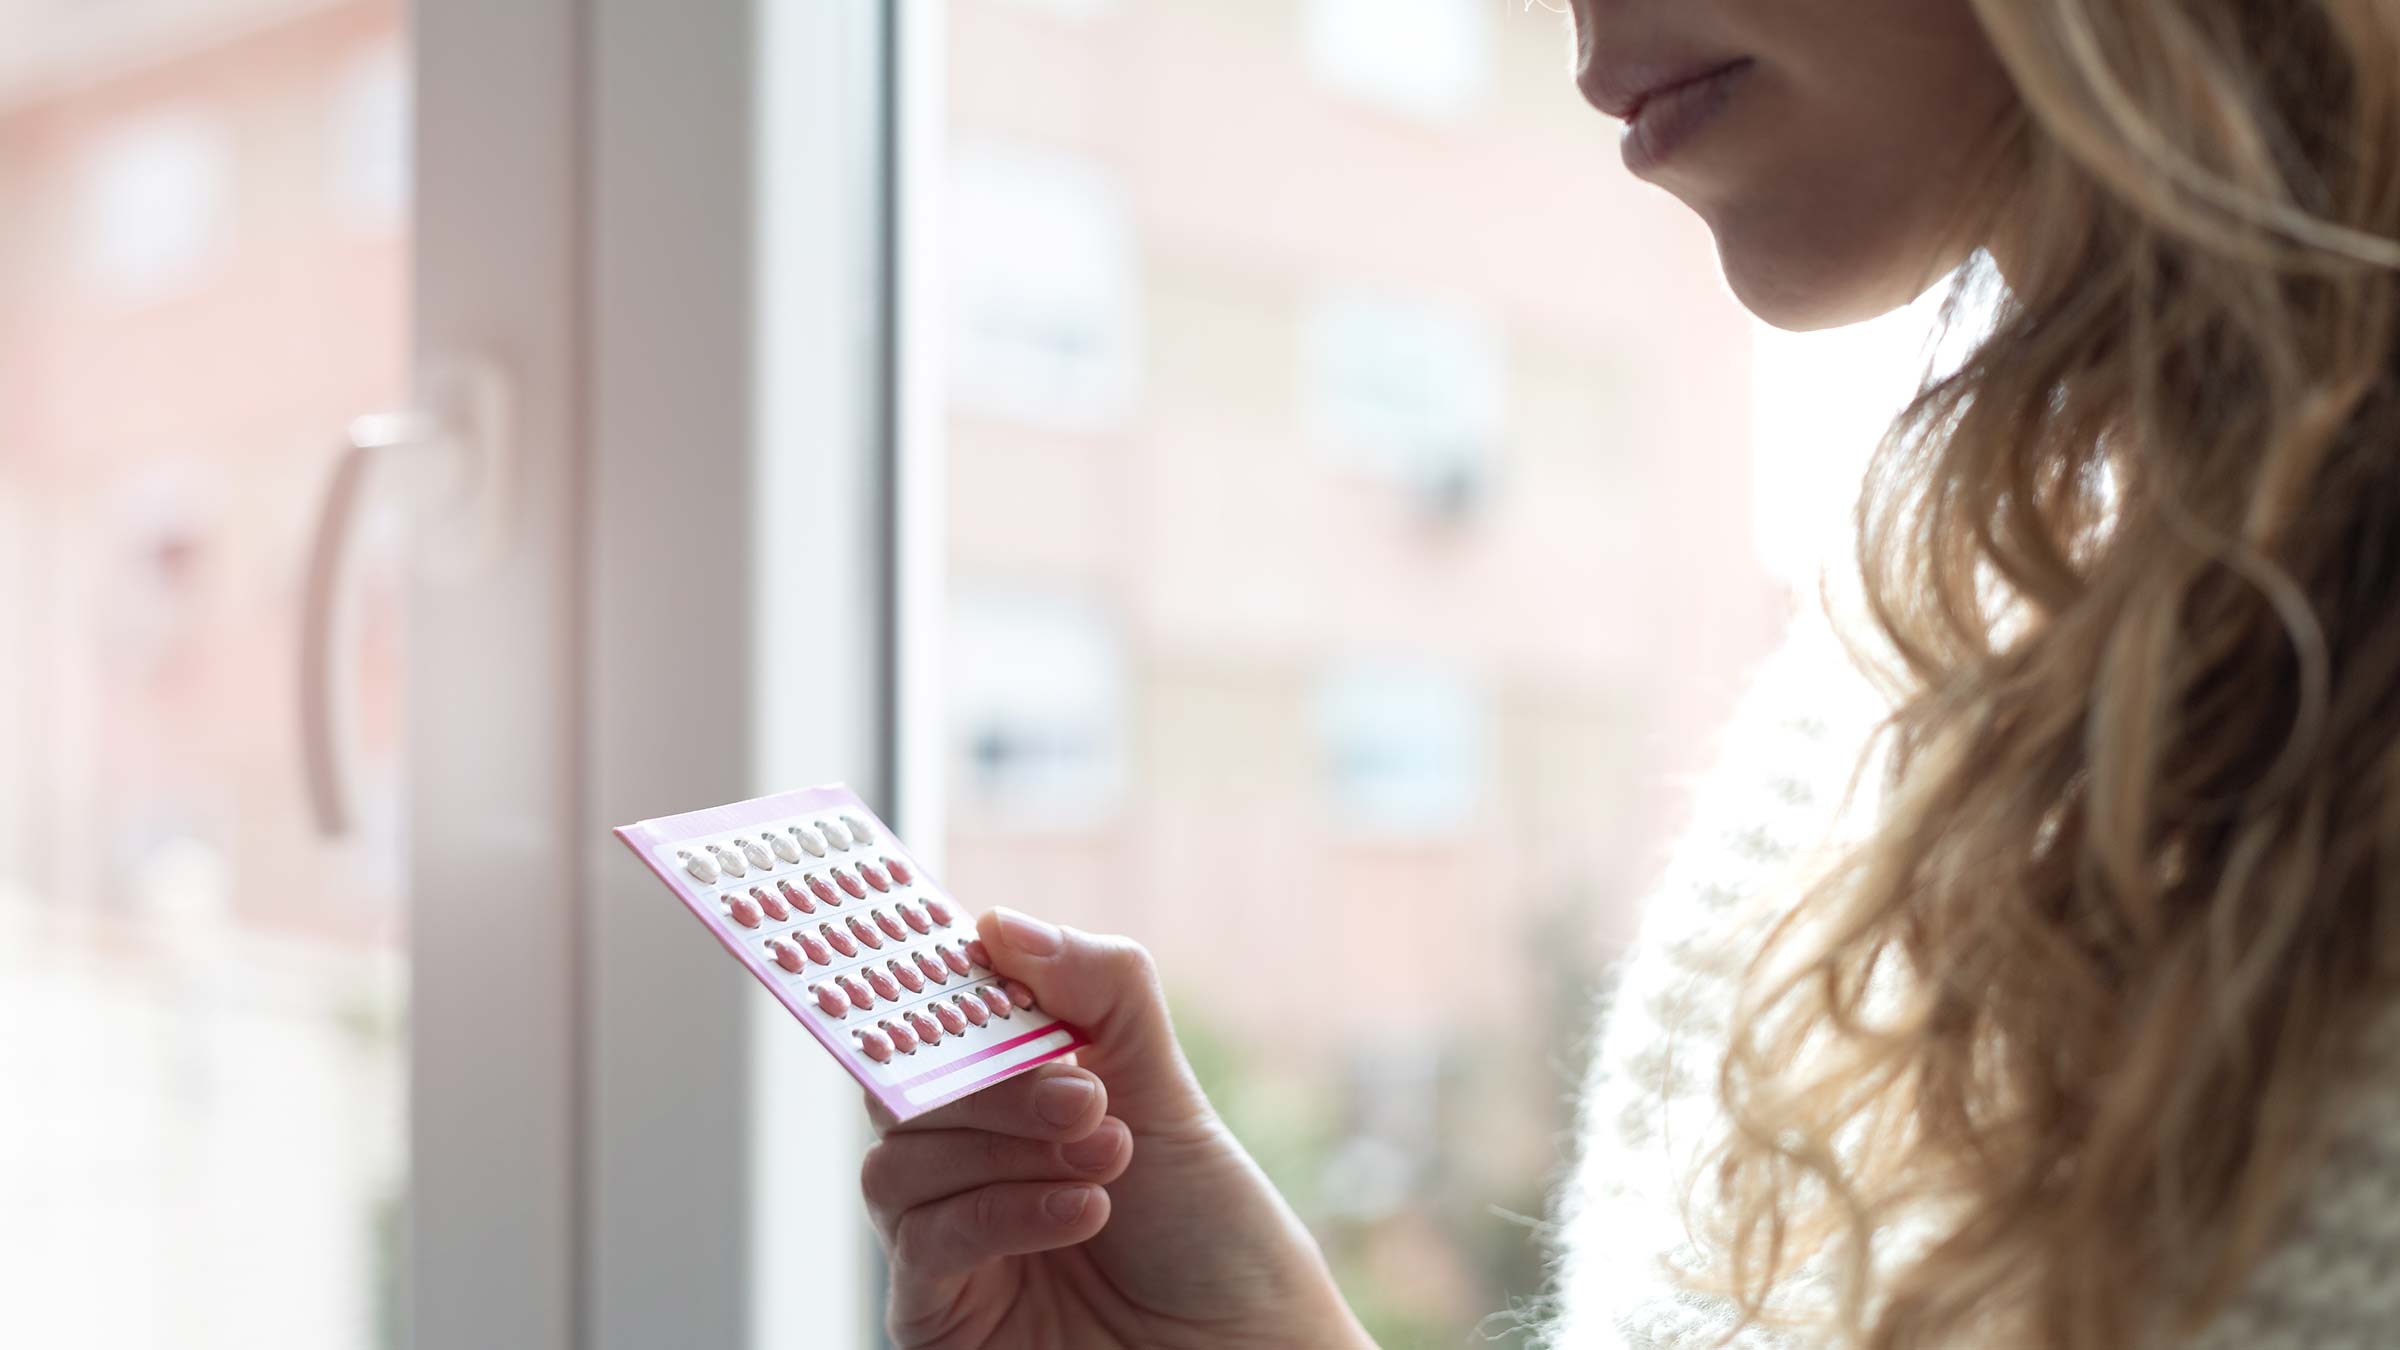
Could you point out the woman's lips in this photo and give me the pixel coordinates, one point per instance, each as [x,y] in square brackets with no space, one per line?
[1662,119]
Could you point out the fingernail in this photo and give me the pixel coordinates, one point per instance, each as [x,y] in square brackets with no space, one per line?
[1027,933]
[1092,1152]
[1066,1203]
[1063,1100]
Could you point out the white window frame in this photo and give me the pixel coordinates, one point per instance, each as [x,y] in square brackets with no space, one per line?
[666,223]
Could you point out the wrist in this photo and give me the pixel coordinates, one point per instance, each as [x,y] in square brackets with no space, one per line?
[1342,1330]
[1301,1308]
[1326,1321]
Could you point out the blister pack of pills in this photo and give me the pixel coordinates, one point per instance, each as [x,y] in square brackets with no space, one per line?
[818,899]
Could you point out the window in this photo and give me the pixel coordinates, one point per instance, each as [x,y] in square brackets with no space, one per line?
[156,200]
[1426,57]
[370,135]
[1045,311]
[1216,350]
[1037,709]
[1073,9]
[1408,390]
[1404,748]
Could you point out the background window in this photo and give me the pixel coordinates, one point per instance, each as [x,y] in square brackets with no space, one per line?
[1409,390]
[1427,57]
[156,199]
[1404,748]
[370,136]
[1037,708]
[1043,282]
[1074,9]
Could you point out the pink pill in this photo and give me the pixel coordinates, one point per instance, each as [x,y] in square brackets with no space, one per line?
[956,957]
[908,977]
[798,901]
[932,968]
[928,1030]
[830,999]
[949,1018]
[786,955]
[843,879]
[745,911]
[771,905]
[977,953]
[881,983]
[861,997]
[902,1040]
[874,1045]
[818,888]
[940,911]
[972,1007]
[840,940]
[815,948]
[1020,995]
[899,871]
[865,934]
[874,876]
[915,917]
[891,926]
[996,1001]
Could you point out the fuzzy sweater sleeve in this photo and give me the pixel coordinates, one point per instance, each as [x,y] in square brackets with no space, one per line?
[1772,807]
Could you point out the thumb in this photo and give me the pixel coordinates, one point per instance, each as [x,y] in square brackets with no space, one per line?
[1109,987]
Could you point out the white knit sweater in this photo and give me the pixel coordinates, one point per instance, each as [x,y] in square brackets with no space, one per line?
[1765,815]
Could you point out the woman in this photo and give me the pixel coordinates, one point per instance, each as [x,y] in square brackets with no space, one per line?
[2086,1041]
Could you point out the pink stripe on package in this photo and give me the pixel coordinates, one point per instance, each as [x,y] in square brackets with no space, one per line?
[909,1007]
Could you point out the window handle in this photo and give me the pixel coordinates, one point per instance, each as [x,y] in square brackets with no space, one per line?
[443,464]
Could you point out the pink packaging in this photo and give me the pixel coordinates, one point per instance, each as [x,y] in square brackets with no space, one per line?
[819,900]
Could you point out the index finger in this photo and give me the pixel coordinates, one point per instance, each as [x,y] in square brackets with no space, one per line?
[1056,1101]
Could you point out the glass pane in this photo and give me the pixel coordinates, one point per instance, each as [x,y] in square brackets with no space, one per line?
[204,267]
[1363,508]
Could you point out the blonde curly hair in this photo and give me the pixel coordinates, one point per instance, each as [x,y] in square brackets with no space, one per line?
[2075,1017]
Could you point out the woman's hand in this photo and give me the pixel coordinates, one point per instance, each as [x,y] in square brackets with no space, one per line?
[1094,1206]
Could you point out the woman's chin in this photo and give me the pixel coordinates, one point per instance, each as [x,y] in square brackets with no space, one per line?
[1806,290]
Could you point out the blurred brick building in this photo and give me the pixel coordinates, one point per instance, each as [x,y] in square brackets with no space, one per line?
[1350,550]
